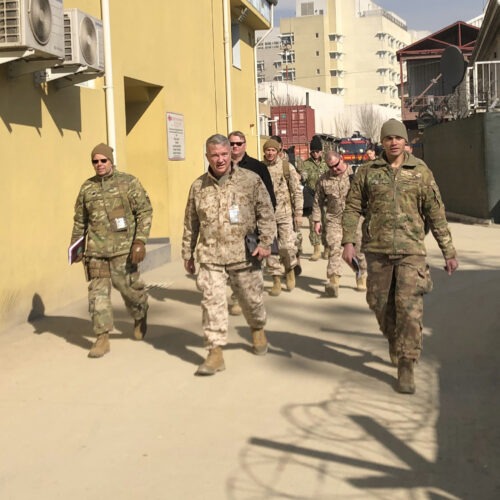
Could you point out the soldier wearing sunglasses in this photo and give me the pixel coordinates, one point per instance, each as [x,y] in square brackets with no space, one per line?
[113,215]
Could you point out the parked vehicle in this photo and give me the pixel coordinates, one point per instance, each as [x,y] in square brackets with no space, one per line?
[353,149]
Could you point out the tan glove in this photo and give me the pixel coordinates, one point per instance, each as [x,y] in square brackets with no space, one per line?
[138,252]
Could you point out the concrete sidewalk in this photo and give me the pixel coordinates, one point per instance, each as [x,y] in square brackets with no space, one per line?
[317,418]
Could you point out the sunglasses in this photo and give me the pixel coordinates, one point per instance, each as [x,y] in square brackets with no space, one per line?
[236,143]
[336,164]
[100,160]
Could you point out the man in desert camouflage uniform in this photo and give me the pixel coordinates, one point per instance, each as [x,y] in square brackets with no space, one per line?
[289,203]
[224,205]
[397,192]
[331,191]
[113,211]
[310,171]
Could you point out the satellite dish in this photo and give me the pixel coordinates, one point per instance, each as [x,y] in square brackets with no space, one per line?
[88,41]
[40,18]
[452,66]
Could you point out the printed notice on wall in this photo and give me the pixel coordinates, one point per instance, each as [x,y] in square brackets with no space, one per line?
[175,136]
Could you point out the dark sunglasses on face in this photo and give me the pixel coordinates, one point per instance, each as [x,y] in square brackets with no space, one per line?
[100,160]
[334,166]
[236,143]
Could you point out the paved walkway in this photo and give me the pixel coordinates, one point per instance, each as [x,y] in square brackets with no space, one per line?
[317,418]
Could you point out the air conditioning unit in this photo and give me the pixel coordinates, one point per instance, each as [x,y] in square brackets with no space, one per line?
[83,40]
[32,24]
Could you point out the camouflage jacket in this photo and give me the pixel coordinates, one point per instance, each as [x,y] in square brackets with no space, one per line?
[103,200]
[311,171]
[219,215]
[289,197]
[331,193]
[395,203]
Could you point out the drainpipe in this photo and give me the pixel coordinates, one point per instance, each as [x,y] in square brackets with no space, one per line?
[108,78]
[268,32]
[227,57]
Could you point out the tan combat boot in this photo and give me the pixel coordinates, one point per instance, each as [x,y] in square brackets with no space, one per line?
[332,287]
[316,253]
[326,253]
[235,309]
[276,289]
[140,327]
[213,364]
[100,346]
[406,382]
[259,342]
[290,280]
[361,283]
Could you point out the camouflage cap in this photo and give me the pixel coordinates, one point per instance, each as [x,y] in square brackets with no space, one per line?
[393,127]
[103,149]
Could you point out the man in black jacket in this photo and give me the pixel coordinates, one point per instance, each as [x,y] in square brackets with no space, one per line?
[240,157]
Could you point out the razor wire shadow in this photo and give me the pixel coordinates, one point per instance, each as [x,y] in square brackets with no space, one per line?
[441,443]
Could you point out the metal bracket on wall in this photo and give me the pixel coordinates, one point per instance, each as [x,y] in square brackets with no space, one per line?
[66,75]
[12,55]
[25,66]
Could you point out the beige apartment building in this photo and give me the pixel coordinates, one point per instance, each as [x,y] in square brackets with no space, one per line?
[343,47]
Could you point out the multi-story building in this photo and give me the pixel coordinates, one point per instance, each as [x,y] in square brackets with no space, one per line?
[344,47]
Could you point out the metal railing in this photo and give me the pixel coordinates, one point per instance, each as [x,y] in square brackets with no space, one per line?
[483,86]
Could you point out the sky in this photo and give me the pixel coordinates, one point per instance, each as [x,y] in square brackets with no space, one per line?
[428,15]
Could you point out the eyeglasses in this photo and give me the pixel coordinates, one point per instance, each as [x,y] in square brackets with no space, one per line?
[336,164]
[237,143]
[100,160]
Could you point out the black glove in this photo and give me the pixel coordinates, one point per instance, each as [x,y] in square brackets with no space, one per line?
[138,252]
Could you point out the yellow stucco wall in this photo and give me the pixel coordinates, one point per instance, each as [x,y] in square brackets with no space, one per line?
[47,135]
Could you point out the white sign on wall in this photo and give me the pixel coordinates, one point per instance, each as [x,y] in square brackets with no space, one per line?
[175,136]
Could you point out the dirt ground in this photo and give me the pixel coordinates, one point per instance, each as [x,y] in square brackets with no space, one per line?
[316,418]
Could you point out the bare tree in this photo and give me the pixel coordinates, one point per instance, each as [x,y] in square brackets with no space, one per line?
[343,125]
[370,121]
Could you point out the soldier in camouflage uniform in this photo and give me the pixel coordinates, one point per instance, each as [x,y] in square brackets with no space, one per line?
[331,191]
[397,193]
[113,211]
[225,205]
[310,171]
[289,203]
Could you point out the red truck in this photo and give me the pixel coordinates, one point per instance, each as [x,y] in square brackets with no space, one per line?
[353,149]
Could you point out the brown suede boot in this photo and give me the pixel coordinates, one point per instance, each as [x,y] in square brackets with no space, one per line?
[316,253]
[140,327]
[332,288]
[406,382]
[235,309]
[276,289]
[213,364]
[290,280]
[100,346]
[361,283]
[259,341]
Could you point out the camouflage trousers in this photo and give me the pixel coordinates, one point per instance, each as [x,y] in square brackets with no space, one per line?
[333,232]
[124,277]
[287,243]
[248,286]
[395,288]
[317,239]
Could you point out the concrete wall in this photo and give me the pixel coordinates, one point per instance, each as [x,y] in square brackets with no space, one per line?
[464,156]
